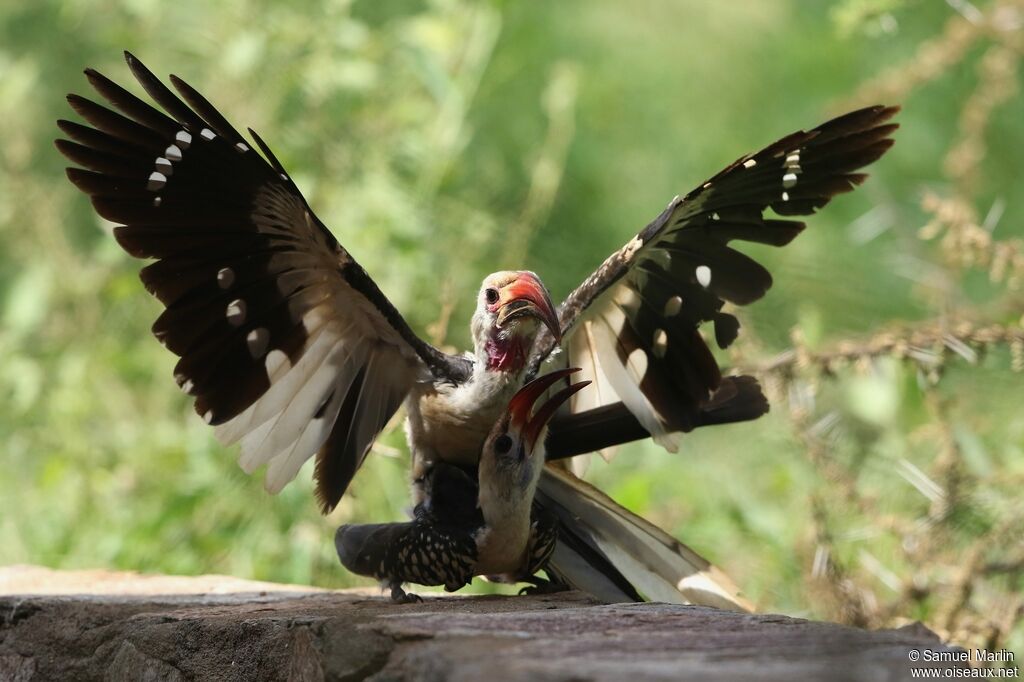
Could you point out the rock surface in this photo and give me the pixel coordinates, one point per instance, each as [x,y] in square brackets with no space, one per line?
[58,625]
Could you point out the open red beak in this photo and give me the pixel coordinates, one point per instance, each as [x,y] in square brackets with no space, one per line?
[526,296]
[522,404]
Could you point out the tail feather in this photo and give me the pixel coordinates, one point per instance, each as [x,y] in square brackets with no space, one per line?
[575,566]
[608,551]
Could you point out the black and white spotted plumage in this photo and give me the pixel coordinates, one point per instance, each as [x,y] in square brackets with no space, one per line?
[577,535]
[424,551]
[439,546]
[633,325]
[480,521]
[286,344]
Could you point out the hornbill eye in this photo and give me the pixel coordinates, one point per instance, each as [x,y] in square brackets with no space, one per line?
[491,295]
[502,444]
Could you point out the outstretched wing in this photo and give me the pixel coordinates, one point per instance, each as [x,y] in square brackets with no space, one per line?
[633,324]
[286,344]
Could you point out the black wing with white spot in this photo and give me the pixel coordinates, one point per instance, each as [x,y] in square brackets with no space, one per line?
[285,342]
[633,324]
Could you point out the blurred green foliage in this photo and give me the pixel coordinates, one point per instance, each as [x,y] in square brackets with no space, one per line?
[443,139]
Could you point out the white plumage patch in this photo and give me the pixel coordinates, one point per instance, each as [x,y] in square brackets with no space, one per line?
[625,379]
[236,312]
[285,465]
[156,181]
[257,341]
[637,362]
[703,274]
[583,354]
[276,362]
[293,410]
[660,346]
[285,382]
[225,278]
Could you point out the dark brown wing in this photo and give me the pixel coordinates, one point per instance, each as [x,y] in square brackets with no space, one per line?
[737,399]
[633,324]
[285,342]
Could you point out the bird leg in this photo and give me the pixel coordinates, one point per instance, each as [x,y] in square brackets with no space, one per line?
[400,596]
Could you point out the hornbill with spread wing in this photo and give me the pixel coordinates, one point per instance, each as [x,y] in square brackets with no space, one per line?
[290,349]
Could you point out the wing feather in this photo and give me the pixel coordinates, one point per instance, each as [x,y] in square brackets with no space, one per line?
[625,378]
[335,375]
[285,381]
[681,269]
[284,466]
[274,322]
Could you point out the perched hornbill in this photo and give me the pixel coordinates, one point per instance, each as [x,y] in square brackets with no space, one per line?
[471,525]
[290,348]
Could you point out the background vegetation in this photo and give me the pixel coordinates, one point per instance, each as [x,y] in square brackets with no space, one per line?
[442,139]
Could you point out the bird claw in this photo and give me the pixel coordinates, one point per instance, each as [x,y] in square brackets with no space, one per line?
[541,586]
[400,596]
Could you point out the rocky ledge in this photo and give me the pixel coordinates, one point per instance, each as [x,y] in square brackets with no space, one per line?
[57,625]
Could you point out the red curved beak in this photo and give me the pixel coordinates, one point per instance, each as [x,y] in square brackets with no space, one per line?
[522,402]
[526,296]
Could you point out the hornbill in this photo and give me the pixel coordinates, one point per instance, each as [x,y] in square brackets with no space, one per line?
[486,523]
[289,348]
[468,526]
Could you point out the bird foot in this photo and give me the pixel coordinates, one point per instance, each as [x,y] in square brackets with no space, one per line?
[541,586]
[400,596]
